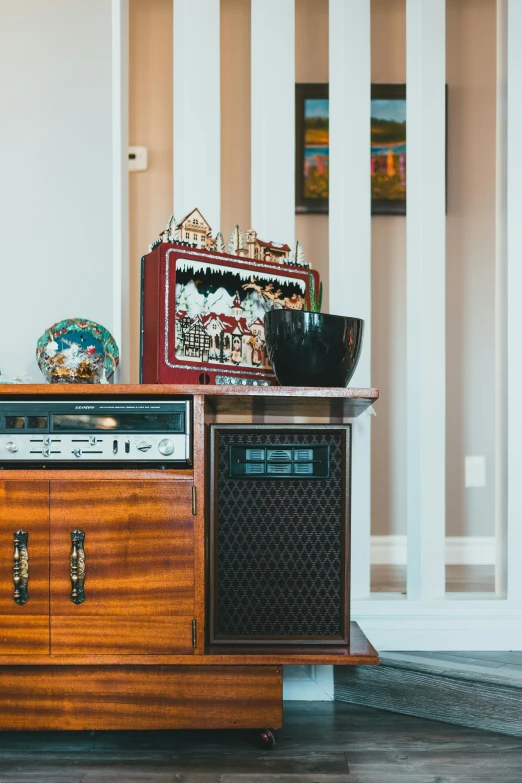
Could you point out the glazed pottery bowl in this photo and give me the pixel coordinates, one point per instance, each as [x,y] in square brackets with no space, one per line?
[313,349]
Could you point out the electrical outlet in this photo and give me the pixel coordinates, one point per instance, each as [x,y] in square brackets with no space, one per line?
[475,472]
[138,158]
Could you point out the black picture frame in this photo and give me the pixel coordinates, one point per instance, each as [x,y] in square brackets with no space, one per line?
[302,203]
[320,205]
[388,92]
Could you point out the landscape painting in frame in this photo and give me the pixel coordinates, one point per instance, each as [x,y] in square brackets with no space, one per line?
[388,148]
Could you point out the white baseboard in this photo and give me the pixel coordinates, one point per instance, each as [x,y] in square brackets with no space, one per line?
[308,683]
[460,550]
[470,621]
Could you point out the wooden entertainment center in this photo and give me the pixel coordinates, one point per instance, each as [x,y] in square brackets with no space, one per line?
[135,655]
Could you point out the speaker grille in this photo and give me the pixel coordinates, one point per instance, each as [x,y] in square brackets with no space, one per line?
[279,557]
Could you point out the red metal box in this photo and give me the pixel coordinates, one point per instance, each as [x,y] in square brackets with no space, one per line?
[202,314]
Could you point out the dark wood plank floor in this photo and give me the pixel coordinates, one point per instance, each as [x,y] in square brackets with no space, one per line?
[322,742]
[459,579]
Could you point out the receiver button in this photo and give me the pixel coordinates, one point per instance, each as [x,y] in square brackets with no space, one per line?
[11,446]
[166,447]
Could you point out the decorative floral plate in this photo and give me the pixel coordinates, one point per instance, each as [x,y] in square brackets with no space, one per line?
[77,351]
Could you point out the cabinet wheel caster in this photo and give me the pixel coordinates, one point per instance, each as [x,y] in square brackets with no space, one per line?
[267,739]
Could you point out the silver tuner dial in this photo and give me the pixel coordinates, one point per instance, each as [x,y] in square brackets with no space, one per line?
[144,446]
[166,447]
[77,452]
[11,446]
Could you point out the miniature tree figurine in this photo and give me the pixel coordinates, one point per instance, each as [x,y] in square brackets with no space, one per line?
[165,236]
[298,256]
[219,243]
[236,243]
[173,229]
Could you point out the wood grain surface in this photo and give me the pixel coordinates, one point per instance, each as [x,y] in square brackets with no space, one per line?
[162,697]
[360,653]
[288,401]
[24,628]
[198,418]
[23,390]
[139,556]
[87,474]
[28,633]
[116,635]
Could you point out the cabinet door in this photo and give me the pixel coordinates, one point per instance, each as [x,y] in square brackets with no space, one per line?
[138,560]
[24,612]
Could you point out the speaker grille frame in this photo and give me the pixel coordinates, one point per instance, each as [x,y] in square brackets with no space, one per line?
[216,635]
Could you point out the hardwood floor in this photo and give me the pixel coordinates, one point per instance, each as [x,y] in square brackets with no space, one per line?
[322,742]
[459,579]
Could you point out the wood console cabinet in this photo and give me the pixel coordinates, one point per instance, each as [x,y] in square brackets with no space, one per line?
[134,654]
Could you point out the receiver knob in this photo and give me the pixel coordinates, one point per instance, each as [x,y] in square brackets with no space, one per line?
[77,452]
[166,447]
[11,446]
[144,446]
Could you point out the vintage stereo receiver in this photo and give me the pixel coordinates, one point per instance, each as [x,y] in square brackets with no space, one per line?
[103,432]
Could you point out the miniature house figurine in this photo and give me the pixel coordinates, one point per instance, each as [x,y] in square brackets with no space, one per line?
[195,229]
[227,339]
[266,251]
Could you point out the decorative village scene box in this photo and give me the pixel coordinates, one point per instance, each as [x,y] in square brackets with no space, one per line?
[203,304]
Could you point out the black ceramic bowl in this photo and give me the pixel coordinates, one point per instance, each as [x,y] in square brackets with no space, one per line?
[313,349]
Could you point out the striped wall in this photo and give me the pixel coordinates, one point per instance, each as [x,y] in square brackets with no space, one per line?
[272,59]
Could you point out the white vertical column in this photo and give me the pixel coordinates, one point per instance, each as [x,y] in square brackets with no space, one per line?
[197,110]
[513,540]
[350,234]
[501,435]
[120,182]
[426,322]
[273,119]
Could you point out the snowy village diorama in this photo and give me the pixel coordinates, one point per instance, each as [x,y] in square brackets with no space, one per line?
[204,303]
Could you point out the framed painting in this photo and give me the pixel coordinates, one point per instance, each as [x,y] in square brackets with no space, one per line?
[388,148]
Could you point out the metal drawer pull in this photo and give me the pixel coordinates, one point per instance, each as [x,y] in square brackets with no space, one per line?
[77,567]
[20,567]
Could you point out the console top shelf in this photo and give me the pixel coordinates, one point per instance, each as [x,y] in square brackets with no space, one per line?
[342,403]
